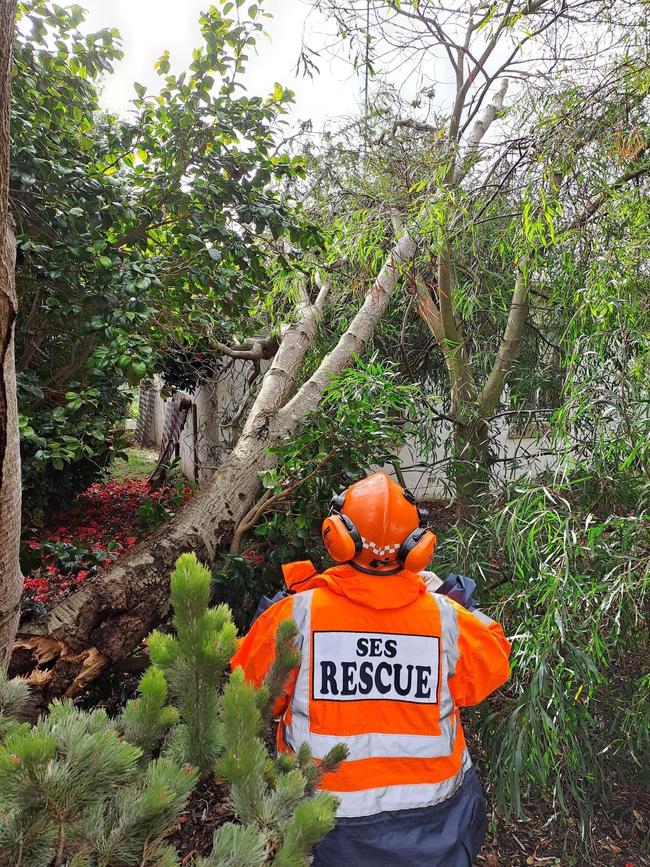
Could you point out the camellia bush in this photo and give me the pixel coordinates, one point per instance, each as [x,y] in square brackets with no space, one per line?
[79,788]
[128,230]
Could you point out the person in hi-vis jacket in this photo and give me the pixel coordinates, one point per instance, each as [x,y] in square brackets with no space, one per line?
[386,664]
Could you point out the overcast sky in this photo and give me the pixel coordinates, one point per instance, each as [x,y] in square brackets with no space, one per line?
[149,27]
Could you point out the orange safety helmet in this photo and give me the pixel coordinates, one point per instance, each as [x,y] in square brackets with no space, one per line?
[376,526]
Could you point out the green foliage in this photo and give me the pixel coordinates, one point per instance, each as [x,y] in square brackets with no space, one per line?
[245,762]
[146,719]
[269,795]
[129,230]
[236,846]
[78,316]
[153,511]
[13,697]
[309,824]
[572,212]
[78,788]
[139,819]
[71,788]
[193,662]
[571,587]
[365,415]
[286,659]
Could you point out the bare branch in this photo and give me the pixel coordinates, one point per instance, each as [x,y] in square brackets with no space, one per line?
[324,288]
[360,329]
[253,350]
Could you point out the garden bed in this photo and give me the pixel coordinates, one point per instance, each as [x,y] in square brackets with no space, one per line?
[94,530]
[531,841]
[109,519]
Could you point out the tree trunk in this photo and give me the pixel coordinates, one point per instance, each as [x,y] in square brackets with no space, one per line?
[470,407]
[472,465]
[107,618]
[11,581]
[144,434]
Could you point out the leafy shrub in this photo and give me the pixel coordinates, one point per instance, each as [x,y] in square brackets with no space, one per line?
[161,503]
[78,788]
[572,589]
[67,443]
[106,283]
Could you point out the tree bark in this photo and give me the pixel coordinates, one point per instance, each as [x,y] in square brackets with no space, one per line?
[509,346]
[473,459]
[10,489]
[110,615]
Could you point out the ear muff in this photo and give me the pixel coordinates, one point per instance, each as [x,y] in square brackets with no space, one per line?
[417,549]
[341,538]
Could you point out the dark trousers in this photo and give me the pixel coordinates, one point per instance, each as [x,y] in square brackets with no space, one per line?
[447,835]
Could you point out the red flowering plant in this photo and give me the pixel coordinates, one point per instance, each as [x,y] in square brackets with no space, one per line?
[253,557]
[101,524]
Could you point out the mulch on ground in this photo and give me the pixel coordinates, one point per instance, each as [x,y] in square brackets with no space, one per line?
[531,841]
[207,810]
[619,838]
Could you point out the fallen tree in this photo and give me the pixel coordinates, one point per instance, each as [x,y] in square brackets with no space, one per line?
[102,622]
[109,616]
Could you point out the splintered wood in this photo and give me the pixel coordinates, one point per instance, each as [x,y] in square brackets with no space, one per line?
[45,651]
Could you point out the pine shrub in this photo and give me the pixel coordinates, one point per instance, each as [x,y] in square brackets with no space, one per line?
[147,719]
[193,662]
[78,789]
[72,792]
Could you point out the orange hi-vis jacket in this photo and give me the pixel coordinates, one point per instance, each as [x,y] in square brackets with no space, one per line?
[385,667]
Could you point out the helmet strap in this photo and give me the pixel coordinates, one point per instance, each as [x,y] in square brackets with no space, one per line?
[377,573]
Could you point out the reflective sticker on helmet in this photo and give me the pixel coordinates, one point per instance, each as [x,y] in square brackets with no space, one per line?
[359,666]
[369,545]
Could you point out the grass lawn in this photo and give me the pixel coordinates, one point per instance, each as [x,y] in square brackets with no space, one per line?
[139,465]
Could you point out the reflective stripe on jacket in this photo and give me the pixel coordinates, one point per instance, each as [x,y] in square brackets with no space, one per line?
[385,667]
